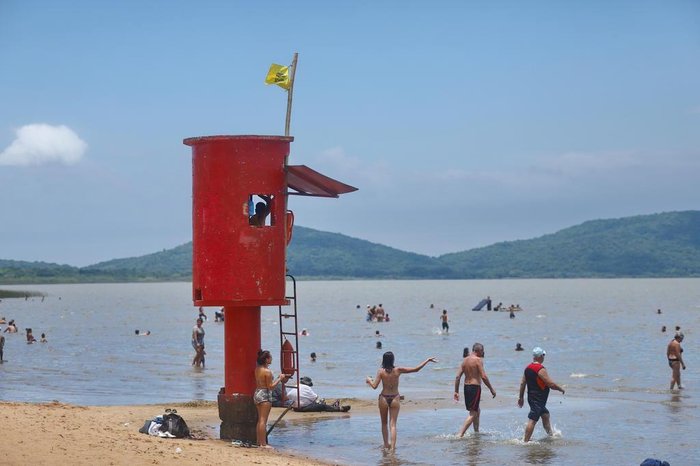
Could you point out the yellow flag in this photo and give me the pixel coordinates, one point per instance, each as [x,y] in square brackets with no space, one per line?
[279,75]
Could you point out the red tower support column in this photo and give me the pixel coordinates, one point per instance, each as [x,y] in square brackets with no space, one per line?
[241,345]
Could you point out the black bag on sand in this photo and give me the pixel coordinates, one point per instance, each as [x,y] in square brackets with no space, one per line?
[175,425]
[146,425]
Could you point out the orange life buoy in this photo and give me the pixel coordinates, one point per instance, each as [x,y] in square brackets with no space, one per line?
[288,359]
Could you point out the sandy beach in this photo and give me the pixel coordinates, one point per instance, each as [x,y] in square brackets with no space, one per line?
[56,433]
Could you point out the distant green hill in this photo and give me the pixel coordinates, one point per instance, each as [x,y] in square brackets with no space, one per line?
[660,245]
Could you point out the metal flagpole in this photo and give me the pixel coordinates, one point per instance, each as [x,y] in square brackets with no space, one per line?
[290,93]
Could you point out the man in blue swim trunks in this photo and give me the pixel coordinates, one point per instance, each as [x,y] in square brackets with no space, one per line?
[473,369]
[538,384]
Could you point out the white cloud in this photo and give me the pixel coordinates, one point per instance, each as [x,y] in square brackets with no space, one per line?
[40,143]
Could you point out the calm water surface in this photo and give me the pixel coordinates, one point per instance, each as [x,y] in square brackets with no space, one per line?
[603,340]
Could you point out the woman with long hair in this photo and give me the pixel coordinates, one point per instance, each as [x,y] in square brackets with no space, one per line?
[389,399]
[263,391]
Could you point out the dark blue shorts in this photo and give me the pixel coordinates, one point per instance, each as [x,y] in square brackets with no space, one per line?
[472,397]
[537,409]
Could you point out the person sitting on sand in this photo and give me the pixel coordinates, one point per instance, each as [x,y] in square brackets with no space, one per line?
[389,401]
[309,401]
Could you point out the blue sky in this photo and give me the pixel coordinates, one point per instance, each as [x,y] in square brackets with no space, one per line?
[462,123]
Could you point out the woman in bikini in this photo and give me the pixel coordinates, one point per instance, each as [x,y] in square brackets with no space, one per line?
[675,359]
[262,396]
[389,399]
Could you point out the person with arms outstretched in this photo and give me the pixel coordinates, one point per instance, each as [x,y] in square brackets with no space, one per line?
[389,399]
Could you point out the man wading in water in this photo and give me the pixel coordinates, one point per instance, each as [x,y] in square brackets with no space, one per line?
[538,384]
[473,369]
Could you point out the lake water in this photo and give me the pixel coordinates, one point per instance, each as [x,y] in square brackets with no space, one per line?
[603,340]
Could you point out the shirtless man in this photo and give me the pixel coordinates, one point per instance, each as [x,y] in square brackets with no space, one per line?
[675,359]
[473,369]
[445,325]
[262,210]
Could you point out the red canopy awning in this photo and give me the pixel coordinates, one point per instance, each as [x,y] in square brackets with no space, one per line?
[308,182]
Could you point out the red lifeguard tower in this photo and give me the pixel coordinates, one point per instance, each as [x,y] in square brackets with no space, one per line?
[239,262]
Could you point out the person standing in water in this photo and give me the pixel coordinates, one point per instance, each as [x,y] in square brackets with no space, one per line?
[445,325]
[198,344]
[538,384]
[675,359]
[473,370]
[389,399]
[263,394]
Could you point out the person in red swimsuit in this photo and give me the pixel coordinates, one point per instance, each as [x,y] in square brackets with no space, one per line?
[538,384]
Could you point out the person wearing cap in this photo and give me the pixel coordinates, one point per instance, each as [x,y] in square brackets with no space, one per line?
[675,358]
[538,384]
[473,369]
[309,401]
